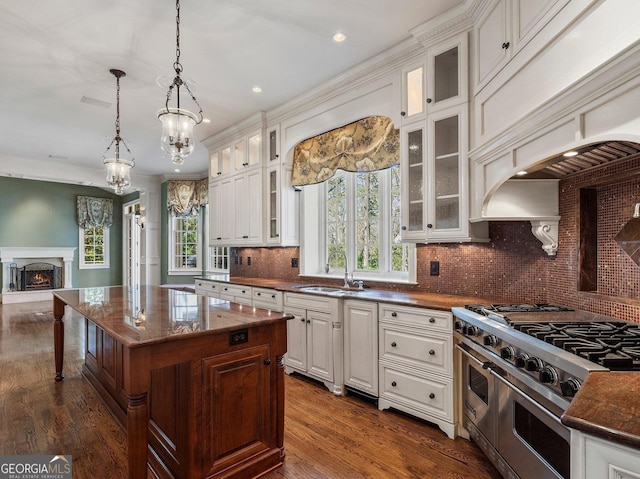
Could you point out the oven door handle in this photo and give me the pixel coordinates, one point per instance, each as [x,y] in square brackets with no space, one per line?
[512,386]
[483,365]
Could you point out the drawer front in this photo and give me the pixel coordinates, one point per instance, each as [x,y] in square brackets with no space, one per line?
[310,301]
[428,318]
[207,287]
[236,290]
[433,352]
[429,396]
[267,299]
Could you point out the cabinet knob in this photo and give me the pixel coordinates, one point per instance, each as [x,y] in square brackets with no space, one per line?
[219,238]
[267,362]
[245,237]
[273,296]
[404,228]
[432,396]
[394,384]
[302,319]
[308,321]
[393,344]
[432,320]
[432,352]
[394,315]
[219,173]
[429,225]
[403,113]
[258,294]
[429,100]
[243,291]
[505,45]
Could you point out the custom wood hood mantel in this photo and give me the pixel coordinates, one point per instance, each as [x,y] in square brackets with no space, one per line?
[197,382]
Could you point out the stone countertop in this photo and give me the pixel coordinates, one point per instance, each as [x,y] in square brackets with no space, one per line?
[608,406]
[425,300]
[151,314]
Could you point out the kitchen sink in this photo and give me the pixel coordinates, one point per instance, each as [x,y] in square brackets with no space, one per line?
[330,290]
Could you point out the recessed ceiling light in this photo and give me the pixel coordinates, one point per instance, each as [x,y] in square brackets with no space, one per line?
[339,37]
[569,154]
[177,170]
[256,89]
[522,173]
[206,120]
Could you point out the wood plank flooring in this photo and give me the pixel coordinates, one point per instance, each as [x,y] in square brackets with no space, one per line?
[326,437]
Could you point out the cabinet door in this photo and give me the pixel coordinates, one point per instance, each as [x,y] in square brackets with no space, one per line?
[413,145]
[320,344]
[254,155]
[232,382]
[239,155]
[361,345]
[413,93]
[226,211]
[273,204]
[447,73]
[215,226]
[253,196]
[447,209]
[491,38]
[296,356]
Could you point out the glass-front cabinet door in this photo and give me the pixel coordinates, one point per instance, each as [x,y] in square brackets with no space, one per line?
[413,145]
[413,94]
[447,74]
[447,199]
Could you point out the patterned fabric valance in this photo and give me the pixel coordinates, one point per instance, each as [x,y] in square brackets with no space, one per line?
[364,145]
[94,211]
[184,198]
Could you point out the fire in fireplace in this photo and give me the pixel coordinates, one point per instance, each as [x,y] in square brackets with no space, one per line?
[36,276]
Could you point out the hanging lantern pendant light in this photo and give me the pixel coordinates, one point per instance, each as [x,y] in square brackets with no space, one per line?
[177,123]
[118,169]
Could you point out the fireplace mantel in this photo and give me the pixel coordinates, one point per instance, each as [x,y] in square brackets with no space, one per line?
[19,254]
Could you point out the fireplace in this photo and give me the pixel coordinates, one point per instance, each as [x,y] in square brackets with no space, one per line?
[37,276]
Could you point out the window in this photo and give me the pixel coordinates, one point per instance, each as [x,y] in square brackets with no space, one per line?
[94,244]
[218,259]
[184,245]
[362,224]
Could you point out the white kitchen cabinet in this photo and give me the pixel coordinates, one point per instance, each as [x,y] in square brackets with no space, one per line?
[246,210]
[220,211]
[282,200]
[208,288]
[314,339]
[503,29]
[596,458]
[361,346]
[447,73]
[416,364]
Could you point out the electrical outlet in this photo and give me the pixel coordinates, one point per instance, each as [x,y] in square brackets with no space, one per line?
[434,268]
[240,260]
[248,260]
[294,262]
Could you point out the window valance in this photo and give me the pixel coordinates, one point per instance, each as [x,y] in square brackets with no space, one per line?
[364,145]
[94,211]
[184,197]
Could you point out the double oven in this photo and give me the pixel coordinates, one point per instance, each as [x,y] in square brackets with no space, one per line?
[520,371]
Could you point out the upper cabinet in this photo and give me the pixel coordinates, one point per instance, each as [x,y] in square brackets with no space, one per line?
[413,92]
[504,28]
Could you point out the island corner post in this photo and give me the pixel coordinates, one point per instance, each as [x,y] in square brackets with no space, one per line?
[58,336]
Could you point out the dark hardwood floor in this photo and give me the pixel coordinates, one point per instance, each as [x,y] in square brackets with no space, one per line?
[326,437]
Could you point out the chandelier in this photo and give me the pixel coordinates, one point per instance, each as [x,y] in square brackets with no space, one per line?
[177,123]
[118,169]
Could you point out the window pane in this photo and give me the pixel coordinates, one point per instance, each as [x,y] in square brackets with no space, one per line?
[186,242]
[367,221]
[336,228]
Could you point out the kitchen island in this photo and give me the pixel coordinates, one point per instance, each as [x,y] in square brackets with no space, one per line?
[197,382]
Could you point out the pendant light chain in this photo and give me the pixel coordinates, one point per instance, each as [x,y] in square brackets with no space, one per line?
[177,66]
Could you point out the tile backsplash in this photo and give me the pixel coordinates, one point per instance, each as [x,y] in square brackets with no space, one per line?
[512,267]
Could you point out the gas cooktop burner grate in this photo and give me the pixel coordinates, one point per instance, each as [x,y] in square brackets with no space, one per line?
[515,308]
[614,345]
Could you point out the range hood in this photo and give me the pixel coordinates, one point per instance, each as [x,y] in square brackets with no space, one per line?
[534,195]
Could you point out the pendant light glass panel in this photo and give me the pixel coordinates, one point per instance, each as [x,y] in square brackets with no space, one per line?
[177,132]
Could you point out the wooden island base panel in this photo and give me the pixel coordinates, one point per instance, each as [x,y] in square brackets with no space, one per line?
[197,382]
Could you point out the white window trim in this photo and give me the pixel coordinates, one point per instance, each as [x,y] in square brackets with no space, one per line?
[171,267]
[313,242]
[105,245]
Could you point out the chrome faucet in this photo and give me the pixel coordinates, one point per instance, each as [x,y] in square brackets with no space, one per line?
[346,266]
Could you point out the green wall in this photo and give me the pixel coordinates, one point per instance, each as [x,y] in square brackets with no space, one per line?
[40,213]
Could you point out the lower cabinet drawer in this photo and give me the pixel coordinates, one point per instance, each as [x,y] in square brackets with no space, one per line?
[431,396]
[433,352]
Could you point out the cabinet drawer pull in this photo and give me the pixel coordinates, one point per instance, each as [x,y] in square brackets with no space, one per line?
[394,384]
[258,294]
[432,352]
[245,237]
[393,344]
[302,319]
[267,362]
[273,296]
[308,321]
[394,315]
[429,100]
[243,291]
[432,320]
[432,396]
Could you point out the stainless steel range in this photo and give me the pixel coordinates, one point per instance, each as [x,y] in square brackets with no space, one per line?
[521,366]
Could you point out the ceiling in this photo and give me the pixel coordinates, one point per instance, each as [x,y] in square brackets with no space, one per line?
[58,96]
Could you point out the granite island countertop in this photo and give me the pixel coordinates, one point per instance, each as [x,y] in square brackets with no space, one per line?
[608,406]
